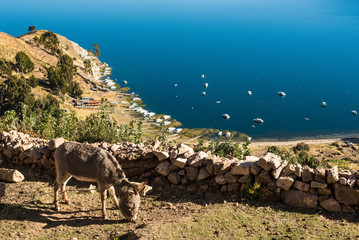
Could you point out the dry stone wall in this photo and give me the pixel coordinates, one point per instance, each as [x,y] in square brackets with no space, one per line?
[180,166]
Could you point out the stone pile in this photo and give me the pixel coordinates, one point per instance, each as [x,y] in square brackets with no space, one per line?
[181,167]
[23,150]
[296,185]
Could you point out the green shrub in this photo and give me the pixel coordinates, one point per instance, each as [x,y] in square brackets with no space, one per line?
[51,42]
[229,148]
[301,147]
[5,68]
[87,64]
[33,81]
[23,63]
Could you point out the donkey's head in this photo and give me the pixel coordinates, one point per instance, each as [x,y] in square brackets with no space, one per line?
[129,198]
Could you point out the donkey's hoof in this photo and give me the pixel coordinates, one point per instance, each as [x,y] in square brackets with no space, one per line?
[67,201]
[105,217]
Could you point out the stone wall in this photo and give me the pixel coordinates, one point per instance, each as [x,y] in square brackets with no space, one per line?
[295,185]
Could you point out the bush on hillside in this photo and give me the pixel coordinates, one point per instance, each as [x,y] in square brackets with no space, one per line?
[229,148]
[13,93]
[33,81]
[5,68]
[23,63]
[50,41]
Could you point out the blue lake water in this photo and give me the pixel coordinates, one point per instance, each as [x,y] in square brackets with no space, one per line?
[307,48]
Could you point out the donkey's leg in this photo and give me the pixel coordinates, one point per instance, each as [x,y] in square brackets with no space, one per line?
[103,192]
[60,178]
[56,195]
[63,190]
[112,192]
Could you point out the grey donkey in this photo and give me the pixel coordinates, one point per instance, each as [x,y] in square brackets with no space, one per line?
[92,164]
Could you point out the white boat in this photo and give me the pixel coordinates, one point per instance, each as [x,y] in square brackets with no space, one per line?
[206,85]
[258,120]
[124,81]
[204,93]
[253,126]
[306,119]
[218,101]
[250,93]
[226,116]
[354,112]
[202,76]
[282,94]
[175,85]
[324,104]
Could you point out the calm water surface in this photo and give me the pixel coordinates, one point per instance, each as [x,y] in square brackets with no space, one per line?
[307,48]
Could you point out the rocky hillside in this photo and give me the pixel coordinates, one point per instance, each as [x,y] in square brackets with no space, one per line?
[42,57]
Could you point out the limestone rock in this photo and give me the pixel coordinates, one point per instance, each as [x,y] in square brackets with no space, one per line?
[315,184]
[180,162]
[276,172]
[242,167]
[319,175]
[331,205]
[25,147]
[184,150]
[7,153]
[269,161]
[161,155]
[346,195]
[174,178]
[220,179]
[114,147]
[298,198]
[221,166]
[230,178]
[11,175]
[351,181]
[345,173]
[343,180]
[285,182]
[324,191]
[191,173]
[301,186]
[2,189]
[289,169]
[203,174]
[197,159]
[348,209]
[264,177]
[298,170]
[307,174]
[55,143]
[244,179]
[333,175]
[163,168]
[255,169]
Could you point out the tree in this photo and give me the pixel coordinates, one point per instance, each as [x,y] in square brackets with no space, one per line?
[61,77]
[31,28]
[50,41]
[23,62]
[87,64]
[97,50]
[14,92]
[5,68]
[33,81]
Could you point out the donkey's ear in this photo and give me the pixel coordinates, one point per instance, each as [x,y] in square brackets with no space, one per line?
[141,188]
